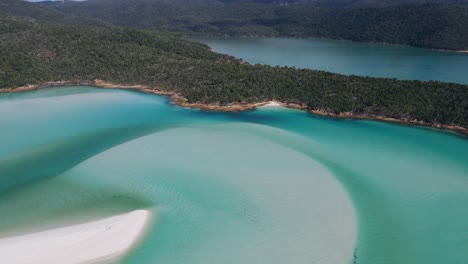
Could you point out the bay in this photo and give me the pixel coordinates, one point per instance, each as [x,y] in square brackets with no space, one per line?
[273,185]
[346,57]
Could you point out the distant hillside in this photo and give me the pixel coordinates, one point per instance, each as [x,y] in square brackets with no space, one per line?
[352,3]
[430,26]
[41,12]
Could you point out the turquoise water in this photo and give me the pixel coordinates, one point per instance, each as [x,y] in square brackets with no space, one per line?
[345,57]
[273,185]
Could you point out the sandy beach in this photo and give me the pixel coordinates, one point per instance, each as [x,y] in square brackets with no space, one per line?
[273,104]
[90,242]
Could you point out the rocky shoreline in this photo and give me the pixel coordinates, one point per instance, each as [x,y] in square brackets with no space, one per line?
[233,107]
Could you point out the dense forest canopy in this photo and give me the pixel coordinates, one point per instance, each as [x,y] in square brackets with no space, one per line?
[350,3]
[325,3]
[430,26]
[32,52]
[40,12]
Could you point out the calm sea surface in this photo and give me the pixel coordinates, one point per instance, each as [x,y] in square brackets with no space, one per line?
[268,186]
[345,57]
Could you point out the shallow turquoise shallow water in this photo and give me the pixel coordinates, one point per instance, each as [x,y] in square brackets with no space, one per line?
[346,57]
[267,186]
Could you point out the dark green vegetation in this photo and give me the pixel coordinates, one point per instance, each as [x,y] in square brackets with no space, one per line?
[32,53]
[24,9]
[430,26]
[351,3]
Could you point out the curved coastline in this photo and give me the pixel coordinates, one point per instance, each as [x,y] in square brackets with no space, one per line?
[180,100]
[384,197]
[101,240]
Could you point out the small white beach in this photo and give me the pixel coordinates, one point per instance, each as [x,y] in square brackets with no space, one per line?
[273,104]
[90,242]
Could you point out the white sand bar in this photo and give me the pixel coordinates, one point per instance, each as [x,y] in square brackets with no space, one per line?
[88,242]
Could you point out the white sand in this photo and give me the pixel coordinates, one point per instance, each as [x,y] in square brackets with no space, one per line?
[273,104]
[89,242]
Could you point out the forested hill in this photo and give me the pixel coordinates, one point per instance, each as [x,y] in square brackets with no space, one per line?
[41,12]
[429,26]
[33,53]
[350,3]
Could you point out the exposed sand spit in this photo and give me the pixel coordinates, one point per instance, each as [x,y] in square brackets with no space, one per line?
[88,242]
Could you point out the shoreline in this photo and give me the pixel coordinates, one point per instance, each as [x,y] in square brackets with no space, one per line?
[106,239]
[456,51]
[317,38]
[180,100]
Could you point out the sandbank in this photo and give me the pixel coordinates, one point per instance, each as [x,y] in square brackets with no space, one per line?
[90,242]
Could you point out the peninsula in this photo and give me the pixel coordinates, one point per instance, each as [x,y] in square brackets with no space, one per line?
[36,54]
